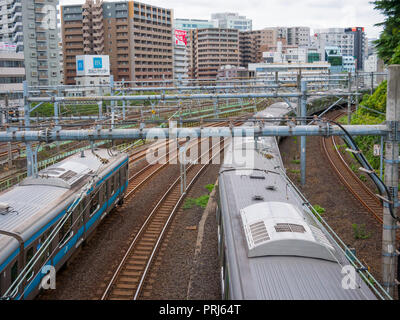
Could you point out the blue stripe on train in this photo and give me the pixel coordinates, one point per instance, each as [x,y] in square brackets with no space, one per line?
[48,225]
[32,285]
[71,243]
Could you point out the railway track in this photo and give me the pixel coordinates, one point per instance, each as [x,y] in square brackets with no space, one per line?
[128,279]
[357,187]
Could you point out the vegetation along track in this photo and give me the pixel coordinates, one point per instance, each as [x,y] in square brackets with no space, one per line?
[128,279]
[346,175]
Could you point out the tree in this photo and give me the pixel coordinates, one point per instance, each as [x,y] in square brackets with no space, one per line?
[388,45]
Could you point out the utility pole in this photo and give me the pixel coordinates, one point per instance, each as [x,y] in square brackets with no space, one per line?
[389,252]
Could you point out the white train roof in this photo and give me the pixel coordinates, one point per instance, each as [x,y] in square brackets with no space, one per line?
[279,229]
[34,198]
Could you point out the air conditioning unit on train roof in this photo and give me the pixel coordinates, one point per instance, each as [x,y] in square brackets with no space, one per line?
[279,229]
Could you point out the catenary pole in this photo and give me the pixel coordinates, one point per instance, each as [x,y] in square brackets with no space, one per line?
[389,255]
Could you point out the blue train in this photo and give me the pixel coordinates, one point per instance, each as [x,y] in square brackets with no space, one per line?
[30,211]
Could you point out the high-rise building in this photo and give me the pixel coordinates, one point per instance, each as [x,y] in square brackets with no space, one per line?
[136,36]
[359,45]
[229,20]
[213,48]
[32,26]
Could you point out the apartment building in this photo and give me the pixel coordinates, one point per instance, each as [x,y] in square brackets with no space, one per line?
[230,20]
[183,56]
[136,36]
[32,26]
[213,48]
[254,43]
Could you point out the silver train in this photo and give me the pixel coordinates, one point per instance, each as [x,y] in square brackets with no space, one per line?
[30,211]
[270,245]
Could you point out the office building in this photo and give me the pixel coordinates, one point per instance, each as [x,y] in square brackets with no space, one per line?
[188,24]
[137,37]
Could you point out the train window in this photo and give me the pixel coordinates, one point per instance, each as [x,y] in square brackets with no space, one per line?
[118,179]
[65,231]
[80,212]
[14,272]
[94,205]
[29,256]
[112,185]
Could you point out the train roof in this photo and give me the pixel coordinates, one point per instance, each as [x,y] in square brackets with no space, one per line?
[34,198]
[276,249]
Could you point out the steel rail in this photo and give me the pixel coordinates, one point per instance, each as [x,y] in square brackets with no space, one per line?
[144,226]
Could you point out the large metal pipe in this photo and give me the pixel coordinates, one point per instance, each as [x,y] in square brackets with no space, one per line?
[49,135]
[184,97]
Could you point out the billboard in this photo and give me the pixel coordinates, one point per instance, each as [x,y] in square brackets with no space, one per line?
[180,38]
[8,47]
[92,65]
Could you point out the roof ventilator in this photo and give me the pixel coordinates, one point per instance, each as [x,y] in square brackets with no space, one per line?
[4,208]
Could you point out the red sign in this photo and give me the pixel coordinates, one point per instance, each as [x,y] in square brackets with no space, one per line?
[180,38]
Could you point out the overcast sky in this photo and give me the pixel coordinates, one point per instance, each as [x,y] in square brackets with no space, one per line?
[270,13]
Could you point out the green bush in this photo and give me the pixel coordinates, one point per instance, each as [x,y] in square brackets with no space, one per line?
[319,209]
[210,187]
[200,202]
[360,232]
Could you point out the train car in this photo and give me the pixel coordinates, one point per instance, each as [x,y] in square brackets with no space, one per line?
[271,246]
[30,211]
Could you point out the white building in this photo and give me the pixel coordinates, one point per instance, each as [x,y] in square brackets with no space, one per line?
[291,55]
[371,63]
[12,75]
[181,55]
[289,71]
[349,64]
[188,24]
[299,36]
[333,37]
[229,20]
